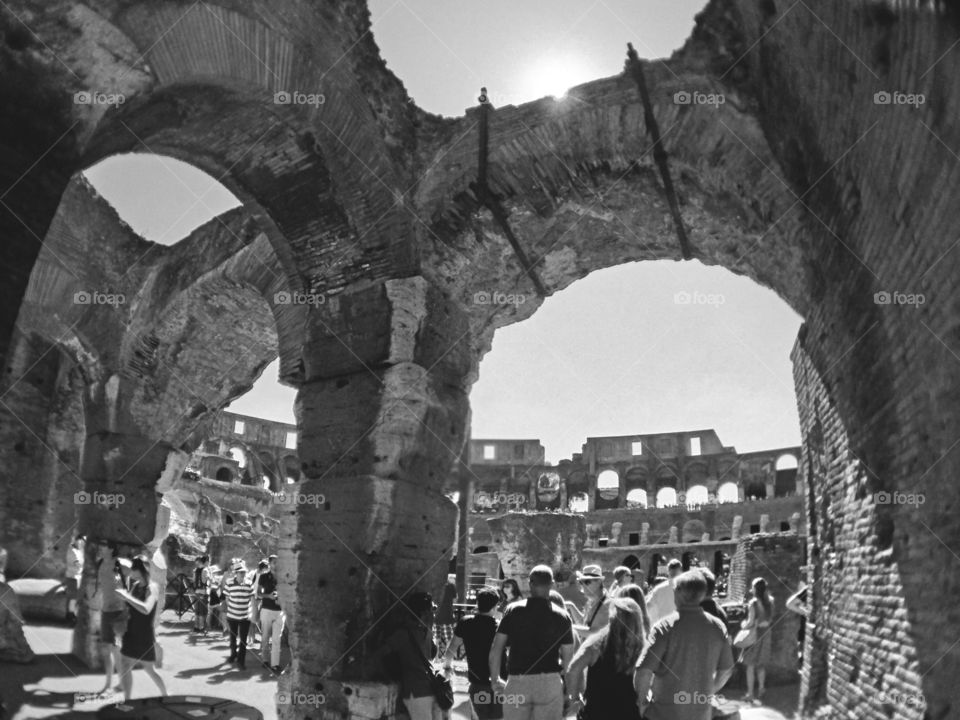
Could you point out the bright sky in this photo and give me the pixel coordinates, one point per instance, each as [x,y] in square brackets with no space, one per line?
[615,353]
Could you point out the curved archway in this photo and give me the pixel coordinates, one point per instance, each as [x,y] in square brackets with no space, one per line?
[637,498]
[728,492]
[666,497]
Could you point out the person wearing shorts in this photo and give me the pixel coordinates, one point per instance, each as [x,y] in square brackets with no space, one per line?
[113,612]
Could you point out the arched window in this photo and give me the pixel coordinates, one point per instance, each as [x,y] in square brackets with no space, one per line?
[728,492]
[787,461]
[696,495]
[637,498]
[666,497]
[608,480]
[225,474]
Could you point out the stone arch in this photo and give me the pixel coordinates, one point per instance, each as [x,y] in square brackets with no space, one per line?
[637,498]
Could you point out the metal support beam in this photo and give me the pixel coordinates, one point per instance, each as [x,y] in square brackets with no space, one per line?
[492,202]
[659,154]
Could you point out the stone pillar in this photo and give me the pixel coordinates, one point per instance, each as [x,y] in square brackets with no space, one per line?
[771,489]
[592,491]
[615,531]
[382,416]
[645,534]
[737,525]
[674,535]
[622,488]
[523,540]
[764,523]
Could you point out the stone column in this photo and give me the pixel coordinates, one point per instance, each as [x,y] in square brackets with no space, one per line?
[382,416]
[645,534]
[736,527]
[523,540]
[592,490]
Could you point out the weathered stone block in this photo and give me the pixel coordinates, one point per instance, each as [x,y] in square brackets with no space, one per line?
[523,540]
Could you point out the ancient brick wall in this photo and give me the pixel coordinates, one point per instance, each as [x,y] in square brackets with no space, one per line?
[860,654]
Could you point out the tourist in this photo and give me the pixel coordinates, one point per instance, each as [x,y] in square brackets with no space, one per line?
[688,659]
[540,638]
[201,594]
[72,575]
[709,603]
[635,593]
[113,611]
[139,643]
[757,656]
[610,658]
[475,634]
[215,602]
[411,645]
[799,603]
[660,601]
[509,593]
[622,576]
[271,615]
[263,566]
[445,620]
[238,596]
[596,613]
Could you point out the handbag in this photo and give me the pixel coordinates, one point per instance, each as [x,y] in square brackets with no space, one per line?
[747,637]
[439,684]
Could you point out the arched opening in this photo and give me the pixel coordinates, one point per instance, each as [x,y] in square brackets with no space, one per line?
[631,561]
[728,492]
[755,490]
[787,468]
[696,495]
[608,488]
[225,475]
[637,498]
[666,497]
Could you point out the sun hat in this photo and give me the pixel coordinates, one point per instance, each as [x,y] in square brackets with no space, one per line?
[590,572]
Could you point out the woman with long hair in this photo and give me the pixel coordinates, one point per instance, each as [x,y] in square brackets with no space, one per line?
[610,657]
[635,593]
[138,646]
[757,656]
[509,592]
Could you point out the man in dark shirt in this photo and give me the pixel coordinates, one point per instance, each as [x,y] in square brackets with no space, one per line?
[475,633]
[271,615]
[540,637]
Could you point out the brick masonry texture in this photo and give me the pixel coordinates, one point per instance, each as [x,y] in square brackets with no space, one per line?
[801,181]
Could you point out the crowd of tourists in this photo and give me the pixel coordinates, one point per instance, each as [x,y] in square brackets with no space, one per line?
[631,652]
[234,602]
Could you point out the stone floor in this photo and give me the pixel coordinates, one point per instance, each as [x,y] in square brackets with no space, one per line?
[58,685]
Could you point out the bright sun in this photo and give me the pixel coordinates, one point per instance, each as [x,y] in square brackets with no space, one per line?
[552,76]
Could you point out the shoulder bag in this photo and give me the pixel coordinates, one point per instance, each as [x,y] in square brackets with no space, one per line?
[442,689]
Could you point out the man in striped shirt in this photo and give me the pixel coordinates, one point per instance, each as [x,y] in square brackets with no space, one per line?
[238,596]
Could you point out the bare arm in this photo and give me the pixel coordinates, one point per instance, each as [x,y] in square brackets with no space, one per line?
[144,606]
[575,613]
[641,683]
[575,669]
[496,653]
[797,605]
